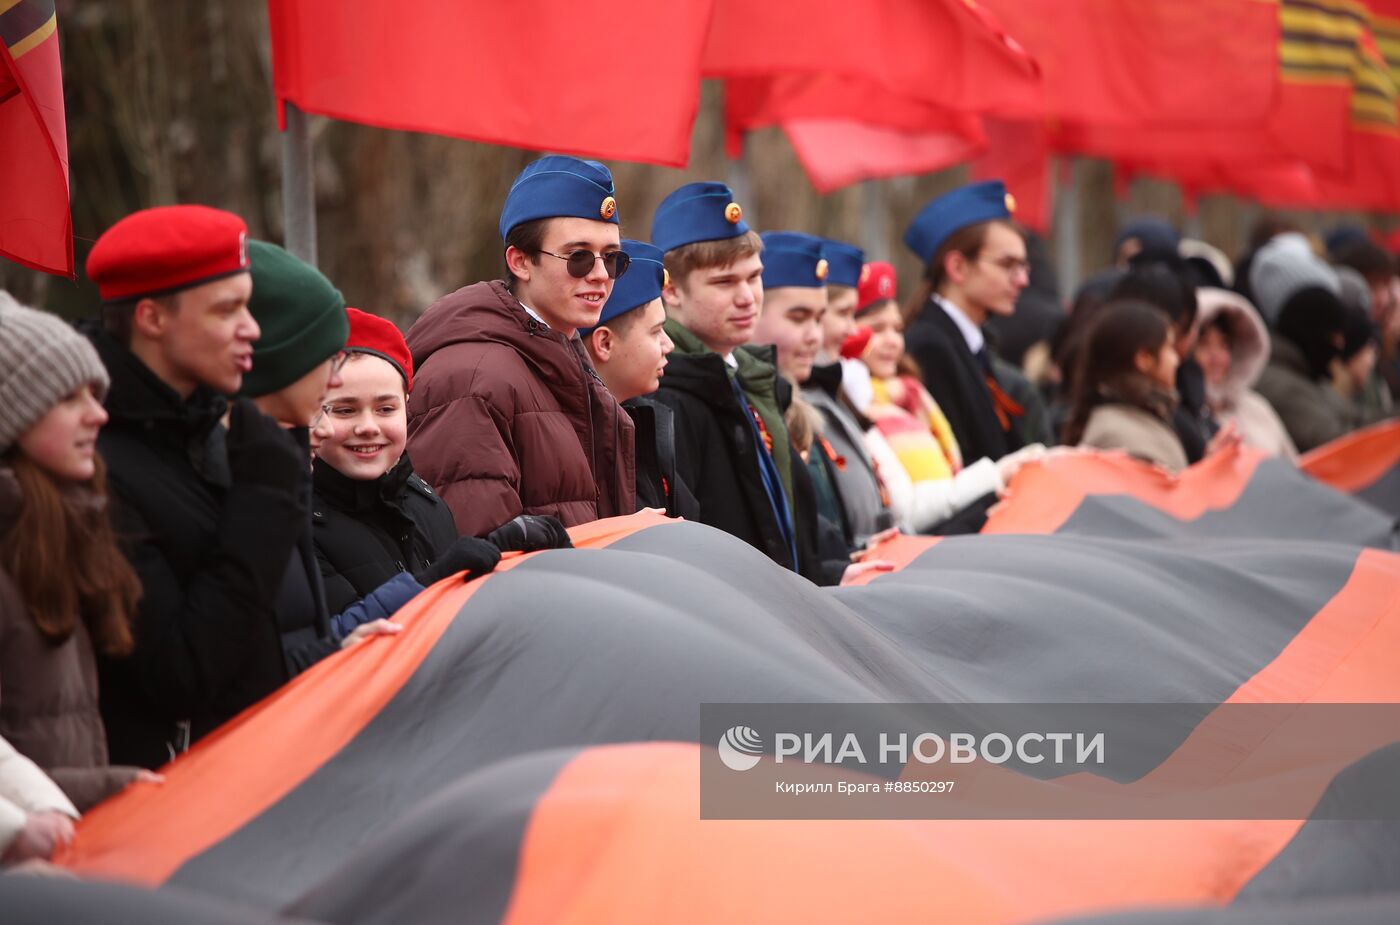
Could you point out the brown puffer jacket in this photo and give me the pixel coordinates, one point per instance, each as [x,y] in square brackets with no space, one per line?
[48,693]
[508,417]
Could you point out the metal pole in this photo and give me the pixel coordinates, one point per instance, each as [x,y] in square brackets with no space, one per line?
[298,186]
[875,221]
[738,182]
[1066,226]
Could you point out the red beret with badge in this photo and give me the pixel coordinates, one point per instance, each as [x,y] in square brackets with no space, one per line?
[877,284]
[158,251]
[380,337]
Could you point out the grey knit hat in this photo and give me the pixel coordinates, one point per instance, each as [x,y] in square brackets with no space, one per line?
[1285,265]
[42,361]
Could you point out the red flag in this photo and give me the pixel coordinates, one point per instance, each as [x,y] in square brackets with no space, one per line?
[621,81]
[950,53]
[1152,62]
[890,91]
[36,228]
[1309,123]
[1333,140]
[1018,154]
[756,102]
[839,152]
[1373,180]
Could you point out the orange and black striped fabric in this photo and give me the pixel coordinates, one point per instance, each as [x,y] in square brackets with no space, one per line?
[1365,464]
[527,750]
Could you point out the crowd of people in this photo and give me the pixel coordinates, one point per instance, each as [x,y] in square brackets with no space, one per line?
[229,475]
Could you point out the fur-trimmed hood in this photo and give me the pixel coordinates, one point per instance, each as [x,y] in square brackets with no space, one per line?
[1249,341]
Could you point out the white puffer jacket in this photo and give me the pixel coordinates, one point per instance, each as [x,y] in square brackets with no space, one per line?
[1235,398]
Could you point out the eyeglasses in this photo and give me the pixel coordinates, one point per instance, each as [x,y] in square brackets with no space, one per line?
[339,360]
[1011,265]
[581,262]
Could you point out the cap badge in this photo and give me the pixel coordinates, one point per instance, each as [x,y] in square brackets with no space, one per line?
[732,213]
[242,248]
[864,273]
[665,277]
[822,268]
[886,286]
[1010,203]
[608,209]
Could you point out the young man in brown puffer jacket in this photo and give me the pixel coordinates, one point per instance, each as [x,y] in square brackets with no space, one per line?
[507,415]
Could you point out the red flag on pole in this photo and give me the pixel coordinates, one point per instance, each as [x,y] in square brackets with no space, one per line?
[890,90]
[1018,154]
[1155,62]
[1332,140]
[950,53]
[621,81]
[839,152]
[36,228]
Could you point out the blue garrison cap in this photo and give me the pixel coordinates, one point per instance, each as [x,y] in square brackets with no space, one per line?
[987,201]
[791,258]
[639,286]
[697,212]
[846,261]
[559,186]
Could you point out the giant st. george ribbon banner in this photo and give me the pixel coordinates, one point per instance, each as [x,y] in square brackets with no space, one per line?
[529,748]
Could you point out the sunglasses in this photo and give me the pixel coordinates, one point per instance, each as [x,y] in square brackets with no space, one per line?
[581,262]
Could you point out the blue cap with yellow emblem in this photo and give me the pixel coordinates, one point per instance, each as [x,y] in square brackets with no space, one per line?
[791,258]
[846,261]
[973,204]
[559,186]
[697,212]
[640,285]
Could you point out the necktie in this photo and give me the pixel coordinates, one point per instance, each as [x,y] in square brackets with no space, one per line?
[768,472]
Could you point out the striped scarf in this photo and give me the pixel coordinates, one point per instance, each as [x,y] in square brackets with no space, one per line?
[909,418]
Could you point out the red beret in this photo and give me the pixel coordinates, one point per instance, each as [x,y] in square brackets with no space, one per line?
[380,337]
[162,250]
[877,284]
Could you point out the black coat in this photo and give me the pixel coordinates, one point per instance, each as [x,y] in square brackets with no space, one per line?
[1192,419]
[366,532]
[659,485]
[213,558]
[956,381]
[716,458]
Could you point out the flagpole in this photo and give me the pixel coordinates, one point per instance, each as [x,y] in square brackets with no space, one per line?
[738,182]
[875,221]
[1066,224]
[298,186]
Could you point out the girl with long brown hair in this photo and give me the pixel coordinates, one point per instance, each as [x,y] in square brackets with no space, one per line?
[1124,389]
[66,591]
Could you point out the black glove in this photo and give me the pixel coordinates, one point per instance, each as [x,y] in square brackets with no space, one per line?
[529,532]
[475,557]
[261,452]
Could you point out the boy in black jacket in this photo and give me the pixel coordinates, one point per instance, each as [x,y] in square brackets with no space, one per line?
[375,523]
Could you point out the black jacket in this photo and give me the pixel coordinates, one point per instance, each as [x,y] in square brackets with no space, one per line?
[1192,419]
[659,485]
[366,532]
[213,557]
[958,384]
[716,459]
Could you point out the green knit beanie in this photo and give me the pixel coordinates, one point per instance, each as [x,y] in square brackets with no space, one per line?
[301,314]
